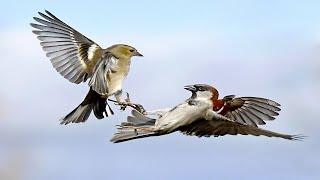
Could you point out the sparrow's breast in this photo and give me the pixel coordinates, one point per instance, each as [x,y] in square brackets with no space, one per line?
[181,115]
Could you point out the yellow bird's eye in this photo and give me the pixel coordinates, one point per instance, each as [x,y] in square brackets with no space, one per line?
[131,50]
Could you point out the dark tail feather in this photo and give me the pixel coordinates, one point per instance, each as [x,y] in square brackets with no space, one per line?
[101,106]
[79,114]
[93,101]
[137,126]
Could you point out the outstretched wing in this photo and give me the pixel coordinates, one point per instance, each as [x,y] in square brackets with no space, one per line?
[250,110]
[207,128]
[72,54]
[100,78]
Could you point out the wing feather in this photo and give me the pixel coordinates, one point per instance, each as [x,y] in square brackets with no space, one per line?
[262,100]
[245,118]
[67,48]
[250,110]
[206,128]
[253,117]
[99,81]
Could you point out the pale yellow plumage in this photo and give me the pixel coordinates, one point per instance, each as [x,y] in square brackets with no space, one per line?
[77,58]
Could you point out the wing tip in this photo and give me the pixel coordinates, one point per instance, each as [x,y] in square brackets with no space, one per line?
[270,102]
[49,14]
[32,24]
[298,137]
[40,13]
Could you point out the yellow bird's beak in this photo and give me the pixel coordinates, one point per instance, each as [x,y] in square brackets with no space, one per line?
[137,54]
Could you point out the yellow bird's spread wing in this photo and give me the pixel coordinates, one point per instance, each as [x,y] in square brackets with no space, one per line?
[72,54]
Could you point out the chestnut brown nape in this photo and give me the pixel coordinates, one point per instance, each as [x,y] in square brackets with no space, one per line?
[215,93]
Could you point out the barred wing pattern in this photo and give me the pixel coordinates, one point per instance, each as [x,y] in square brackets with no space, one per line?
[70,52]
[249,110]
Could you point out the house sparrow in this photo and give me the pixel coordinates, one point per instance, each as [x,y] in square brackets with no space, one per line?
[77,58]
[203,114]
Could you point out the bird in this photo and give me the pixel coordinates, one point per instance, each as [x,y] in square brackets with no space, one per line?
[78,58]
[204,115]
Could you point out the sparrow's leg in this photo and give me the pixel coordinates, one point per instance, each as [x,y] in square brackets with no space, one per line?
[127,102]
[136,106]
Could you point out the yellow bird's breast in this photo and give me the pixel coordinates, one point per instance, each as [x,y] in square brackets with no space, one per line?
[117,75]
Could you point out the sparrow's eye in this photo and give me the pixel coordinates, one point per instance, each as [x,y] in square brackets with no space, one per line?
[201,88]
[131,50]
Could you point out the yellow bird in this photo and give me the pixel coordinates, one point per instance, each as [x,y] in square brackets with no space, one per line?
[77,58]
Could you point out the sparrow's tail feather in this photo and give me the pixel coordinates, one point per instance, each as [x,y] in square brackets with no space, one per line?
[93,101]
[137,126]
[138,119]
[126,133]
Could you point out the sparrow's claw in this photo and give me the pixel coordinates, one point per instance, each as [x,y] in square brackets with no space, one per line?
[124,105]
[140,108]
[137,107]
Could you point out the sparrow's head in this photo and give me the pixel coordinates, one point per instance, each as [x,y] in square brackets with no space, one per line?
[202,91]
[123,51]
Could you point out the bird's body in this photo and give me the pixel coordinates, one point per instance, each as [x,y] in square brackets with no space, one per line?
[117,76]
[199,116]
[77,58]
[183,114]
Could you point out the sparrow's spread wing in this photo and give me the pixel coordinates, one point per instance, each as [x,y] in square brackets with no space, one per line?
[207,128]
[250,110]
[101,75]
[72,54]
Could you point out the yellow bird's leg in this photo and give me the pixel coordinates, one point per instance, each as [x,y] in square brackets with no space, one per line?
[120,102]
[118,96]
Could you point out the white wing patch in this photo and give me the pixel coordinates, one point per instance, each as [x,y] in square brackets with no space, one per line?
[92,51]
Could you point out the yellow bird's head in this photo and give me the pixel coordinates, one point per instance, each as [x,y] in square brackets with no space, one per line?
[123,51]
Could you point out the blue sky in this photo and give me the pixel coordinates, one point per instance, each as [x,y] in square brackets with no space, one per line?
[248,48]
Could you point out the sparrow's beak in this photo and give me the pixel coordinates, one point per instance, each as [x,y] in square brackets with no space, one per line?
[136,53]
[190,88]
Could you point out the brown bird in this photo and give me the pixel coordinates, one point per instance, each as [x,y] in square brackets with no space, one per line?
[203,114]
[77,58]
